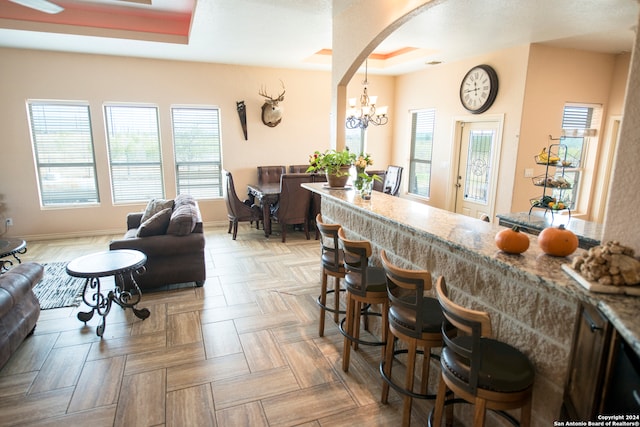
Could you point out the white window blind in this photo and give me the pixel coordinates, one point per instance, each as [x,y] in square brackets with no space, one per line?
[63,148]
[422,125]
[134,153]
[576,119]
[196,139]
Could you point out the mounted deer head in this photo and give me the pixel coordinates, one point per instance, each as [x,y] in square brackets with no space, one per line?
[271,111]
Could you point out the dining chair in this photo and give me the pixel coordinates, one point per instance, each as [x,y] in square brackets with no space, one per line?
[378,185]
[316,202]
[237,210]
[298,168]
[479,369]
[392,180]
[270,174]
[293,204]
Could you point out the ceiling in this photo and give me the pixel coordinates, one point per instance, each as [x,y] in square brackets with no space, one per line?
[297,33]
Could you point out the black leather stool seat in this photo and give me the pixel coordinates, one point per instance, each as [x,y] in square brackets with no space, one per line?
[432,316]
[376,281]
[328,258]
[503,368]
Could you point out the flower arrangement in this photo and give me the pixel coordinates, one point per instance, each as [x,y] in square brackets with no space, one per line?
[364,181]
[363,161]
[331,161]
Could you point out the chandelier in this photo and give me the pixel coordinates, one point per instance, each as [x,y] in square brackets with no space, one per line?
[367,113]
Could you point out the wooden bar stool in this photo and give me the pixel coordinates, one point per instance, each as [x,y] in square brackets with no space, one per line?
[416,320]
[365,285]
[332,261]
[479,369]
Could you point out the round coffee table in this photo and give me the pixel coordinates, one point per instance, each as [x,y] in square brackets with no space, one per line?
[8,247]
[119,262]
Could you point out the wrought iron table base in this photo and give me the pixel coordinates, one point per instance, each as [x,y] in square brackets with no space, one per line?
[101,304]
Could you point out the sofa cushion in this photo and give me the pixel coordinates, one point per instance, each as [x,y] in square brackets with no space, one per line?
[183,220]
[154,206]
[155,225]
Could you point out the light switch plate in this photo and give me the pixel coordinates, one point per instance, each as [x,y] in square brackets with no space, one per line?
[528,173]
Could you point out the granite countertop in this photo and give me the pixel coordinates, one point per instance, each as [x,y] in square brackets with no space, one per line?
[589,233]
[478,237]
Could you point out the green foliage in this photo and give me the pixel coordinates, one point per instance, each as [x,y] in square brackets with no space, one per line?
[331,161]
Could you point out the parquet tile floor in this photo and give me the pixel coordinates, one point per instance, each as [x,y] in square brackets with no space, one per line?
[243,350]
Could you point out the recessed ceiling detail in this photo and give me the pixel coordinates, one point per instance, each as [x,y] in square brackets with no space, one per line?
[380,59]
[128,19]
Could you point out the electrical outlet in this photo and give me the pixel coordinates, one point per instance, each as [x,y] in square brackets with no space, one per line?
[9,222]
[528,173]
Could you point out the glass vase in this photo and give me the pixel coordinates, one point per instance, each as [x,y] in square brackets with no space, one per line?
[365,190]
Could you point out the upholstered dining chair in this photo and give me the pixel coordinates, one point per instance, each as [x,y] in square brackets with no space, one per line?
[237,210]
[378,185]
[293,205]
[270,174]
[480,369]
[316,201]
[298,168]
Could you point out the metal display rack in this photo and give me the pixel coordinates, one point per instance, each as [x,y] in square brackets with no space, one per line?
[554,158]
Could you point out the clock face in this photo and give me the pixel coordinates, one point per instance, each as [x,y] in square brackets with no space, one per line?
[479,88]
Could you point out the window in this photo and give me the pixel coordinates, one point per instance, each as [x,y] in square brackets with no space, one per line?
[196,139]
[578,124]
[422,124]
[134,153]
[354,140]
[63,151]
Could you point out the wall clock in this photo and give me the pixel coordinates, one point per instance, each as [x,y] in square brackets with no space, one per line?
[479,88]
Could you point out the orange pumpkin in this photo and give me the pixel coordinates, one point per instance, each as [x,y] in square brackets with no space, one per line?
[512,241]
[557,241]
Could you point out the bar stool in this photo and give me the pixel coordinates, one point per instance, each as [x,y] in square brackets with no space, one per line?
[416,320]
[332,261]
[365,285]
[479,369]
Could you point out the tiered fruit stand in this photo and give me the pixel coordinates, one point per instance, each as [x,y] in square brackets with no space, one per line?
[554,157]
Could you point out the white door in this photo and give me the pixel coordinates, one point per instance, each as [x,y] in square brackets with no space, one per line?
[477,169]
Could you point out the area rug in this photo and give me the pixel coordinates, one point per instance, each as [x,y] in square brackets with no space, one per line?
[58,289]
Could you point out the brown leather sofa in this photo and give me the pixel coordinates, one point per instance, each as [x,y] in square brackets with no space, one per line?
[19,307]
[173,242]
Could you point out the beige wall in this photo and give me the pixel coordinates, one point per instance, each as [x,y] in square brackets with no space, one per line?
[555,77]
[438,87]
[531,110]
[28,74]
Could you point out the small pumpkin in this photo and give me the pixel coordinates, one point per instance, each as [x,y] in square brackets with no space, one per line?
[512,241]
[557,241]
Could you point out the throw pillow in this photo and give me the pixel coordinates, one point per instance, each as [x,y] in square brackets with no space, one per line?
[154,206]
[183,220]
[184,199]
[155,225]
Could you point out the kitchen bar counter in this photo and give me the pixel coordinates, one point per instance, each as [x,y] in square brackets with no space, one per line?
[533,304]
[589,233]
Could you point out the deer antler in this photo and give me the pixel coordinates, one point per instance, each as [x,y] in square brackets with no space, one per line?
[281,96]
[263,92]
[278,98]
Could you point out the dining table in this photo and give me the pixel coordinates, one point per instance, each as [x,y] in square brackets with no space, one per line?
[265,195]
